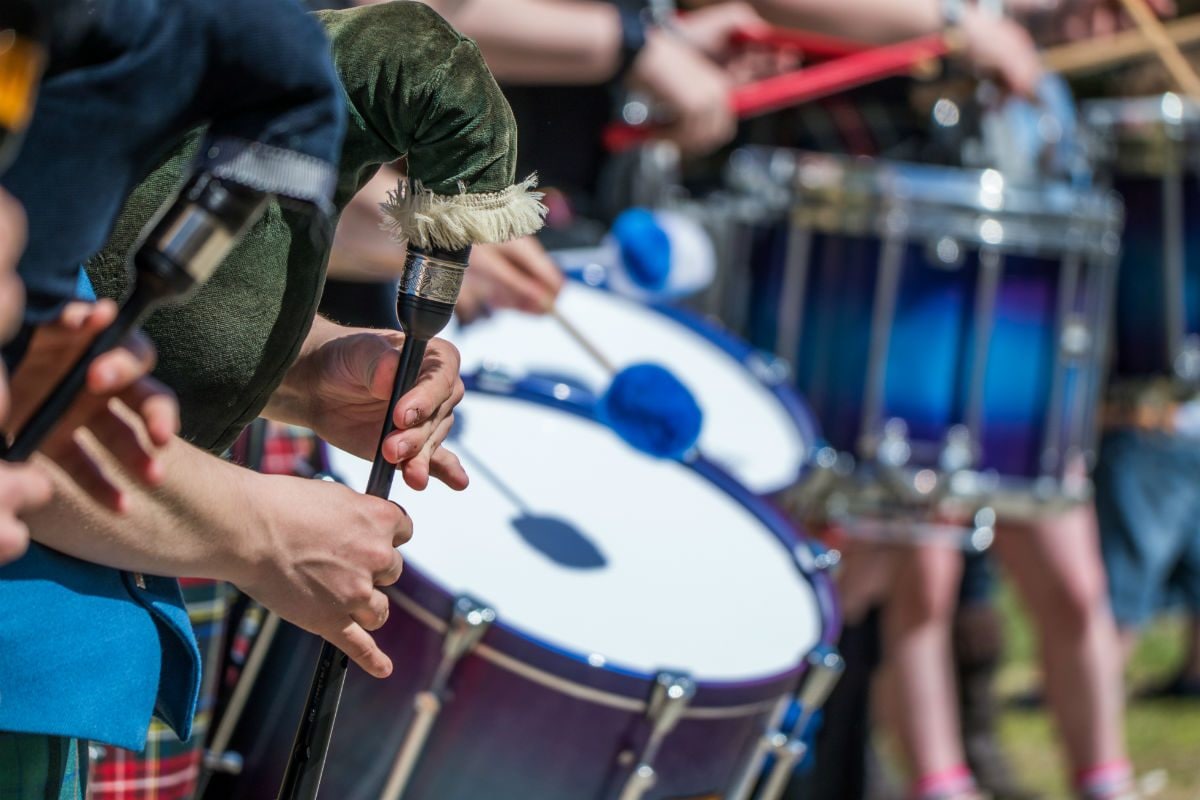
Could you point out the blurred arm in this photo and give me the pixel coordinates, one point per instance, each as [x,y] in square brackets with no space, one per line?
[540,41]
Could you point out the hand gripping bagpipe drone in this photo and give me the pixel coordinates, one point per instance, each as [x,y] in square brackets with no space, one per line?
[103,121]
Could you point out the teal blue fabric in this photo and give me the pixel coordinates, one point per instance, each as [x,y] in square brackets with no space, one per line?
[86,652]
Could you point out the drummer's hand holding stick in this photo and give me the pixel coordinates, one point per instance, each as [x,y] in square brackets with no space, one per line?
[993,44]
[92,354]
[521,275]
[518,275]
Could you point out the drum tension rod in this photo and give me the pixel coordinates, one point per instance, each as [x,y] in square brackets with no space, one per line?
[669,699]
[825,668]
[469,621]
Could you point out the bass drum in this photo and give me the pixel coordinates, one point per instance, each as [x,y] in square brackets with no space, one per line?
[583,622]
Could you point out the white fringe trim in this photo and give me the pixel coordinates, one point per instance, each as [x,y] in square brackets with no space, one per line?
[417,215]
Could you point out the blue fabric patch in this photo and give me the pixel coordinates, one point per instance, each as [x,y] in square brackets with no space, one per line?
[83,287]
[86,653]
[652,410]
[645,248]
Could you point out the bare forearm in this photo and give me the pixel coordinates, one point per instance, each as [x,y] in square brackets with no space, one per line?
[541,41]
[291,402]
[361,250]
[866,20]
[200,523]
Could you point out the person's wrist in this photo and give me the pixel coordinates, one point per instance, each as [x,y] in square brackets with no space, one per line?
[952,13]
[252,544]
[635,36]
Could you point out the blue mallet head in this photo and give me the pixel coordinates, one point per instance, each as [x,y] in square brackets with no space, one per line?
[651,410]
[645,248]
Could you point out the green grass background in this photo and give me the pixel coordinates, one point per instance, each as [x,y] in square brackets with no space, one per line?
[1162,735]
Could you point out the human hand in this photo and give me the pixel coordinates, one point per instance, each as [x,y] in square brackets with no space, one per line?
[692,90]
[12,244]
[321,553]
[1074,20]
[347,384]
[1001,48]
[710,30]
[517,274]
[23,488]
[130,414]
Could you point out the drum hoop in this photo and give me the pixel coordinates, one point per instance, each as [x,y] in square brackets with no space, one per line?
[866,198]
[798,548]
[568,687]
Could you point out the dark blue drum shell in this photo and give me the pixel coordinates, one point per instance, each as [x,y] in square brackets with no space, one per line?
[1141,344]
[931,353]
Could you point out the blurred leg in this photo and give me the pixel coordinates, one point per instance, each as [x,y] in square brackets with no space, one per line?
[920,690]
[1056,566]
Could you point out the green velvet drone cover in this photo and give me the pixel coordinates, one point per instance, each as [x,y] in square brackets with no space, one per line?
[414,87]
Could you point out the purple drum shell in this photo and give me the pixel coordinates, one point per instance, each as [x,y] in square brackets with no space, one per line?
[522,720]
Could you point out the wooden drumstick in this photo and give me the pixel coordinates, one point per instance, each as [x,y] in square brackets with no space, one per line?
[583,341]
[1092,55]
[1168,52]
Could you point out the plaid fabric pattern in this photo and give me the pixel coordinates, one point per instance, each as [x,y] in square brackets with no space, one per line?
[37,767]
[289,450]
[168,768]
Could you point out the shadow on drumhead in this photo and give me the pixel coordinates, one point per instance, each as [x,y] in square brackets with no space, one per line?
[559,540]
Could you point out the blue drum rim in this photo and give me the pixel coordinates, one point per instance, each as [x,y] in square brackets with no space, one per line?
[744,355]
[572,667]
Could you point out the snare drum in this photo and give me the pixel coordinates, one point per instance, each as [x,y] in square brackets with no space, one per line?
[755,425]
[947,328]
[583,622]
[1151,147]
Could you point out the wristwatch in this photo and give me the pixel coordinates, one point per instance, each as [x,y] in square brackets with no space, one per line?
[634,27]
[952,12]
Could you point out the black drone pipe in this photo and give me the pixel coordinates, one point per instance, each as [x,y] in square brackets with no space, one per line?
[428,292]
[180,252]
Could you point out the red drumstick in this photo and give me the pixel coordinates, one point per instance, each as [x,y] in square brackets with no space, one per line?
[810,83]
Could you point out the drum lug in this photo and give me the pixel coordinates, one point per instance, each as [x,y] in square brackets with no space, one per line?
[825,668]
[893,450]
[959,450]
[227,763]
[812,556]
[769,369]
[773,739]
[469,621]
[1187,360]
[669,699]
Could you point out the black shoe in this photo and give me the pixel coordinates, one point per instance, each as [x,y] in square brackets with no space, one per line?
[1181,687]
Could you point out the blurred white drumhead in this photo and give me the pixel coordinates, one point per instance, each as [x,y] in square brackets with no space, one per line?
[747,430]
[578,540]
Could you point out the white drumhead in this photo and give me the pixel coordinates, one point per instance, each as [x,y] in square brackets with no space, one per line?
[746,428]
[578,540]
